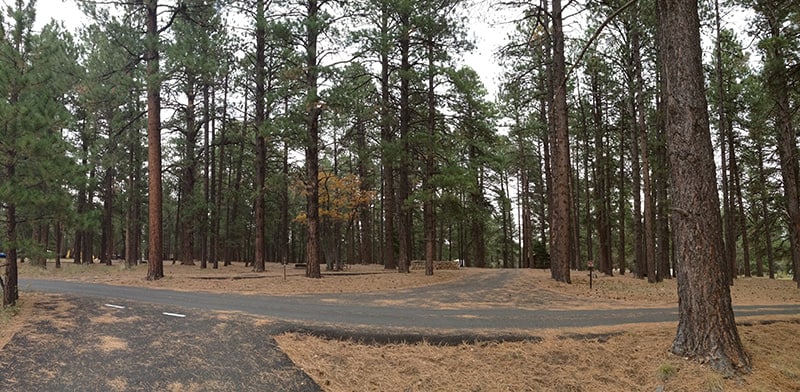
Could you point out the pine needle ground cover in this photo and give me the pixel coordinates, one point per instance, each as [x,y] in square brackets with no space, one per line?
[624,358]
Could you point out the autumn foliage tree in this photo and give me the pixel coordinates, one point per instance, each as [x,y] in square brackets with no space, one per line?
[340,200]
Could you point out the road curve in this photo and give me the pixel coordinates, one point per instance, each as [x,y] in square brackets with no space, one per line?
[313,309]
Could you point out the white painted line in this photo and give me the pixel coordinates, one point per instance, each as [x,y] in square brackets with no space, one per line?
[173,314]
[115,306]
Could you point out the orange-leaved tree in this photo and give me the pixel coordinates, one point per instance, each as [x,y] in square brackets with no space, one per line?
[340,200]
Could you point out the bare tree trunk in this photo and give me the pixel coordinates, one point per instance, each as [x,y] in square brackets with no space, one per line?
[314,109]
[622,264]
[706,326]
[387,161]
[261,144]
[636,171]
[525,207]
[736,195]
[208,178]
[561,211]
[404,191]
[601,180]
[188,180]
[155,263]
[767,223]
[10,285]
[778,88]
[429,213]
[59,228]
[107,242]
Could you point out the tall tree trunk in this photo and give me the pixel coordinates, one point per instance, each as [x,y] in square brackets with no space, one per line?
[649,207]
[364,216]
[387,159]
[525,205]
[59,229]
[189,217]
[155,261]
[706,326]
[778,88]
[561,213]
[429,189]
[208,178]
[661,184]
[737,201]
[314,109]
[622,202]
[261,143]
[727,199]
[107,242]
[636,170]
[601,179]
[284,200]
[589,172]
[505,221]
[404,190]
[217,242]
[767,222]
[10,285]
[130,253]
[87,236]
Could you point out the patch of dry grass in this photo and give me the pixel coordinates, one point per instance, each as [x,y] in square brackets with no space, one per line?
[636,360]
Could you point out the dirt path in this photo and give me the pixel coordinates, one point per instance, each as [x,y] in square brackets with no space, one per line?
[78,344]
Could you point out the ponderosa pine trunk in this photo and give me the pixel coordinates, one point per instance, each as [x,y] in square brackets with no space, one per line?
[10,284]
[561,211]
[155,257]
[706,327]
[635,91]
[387,159]
[313,110]
[404,188]
[259,206]
[189,177]
[429,213]
[107,242]
[778,88]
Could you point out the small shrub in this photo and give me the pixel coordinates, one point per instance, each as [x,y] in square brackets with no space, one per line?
[666,371]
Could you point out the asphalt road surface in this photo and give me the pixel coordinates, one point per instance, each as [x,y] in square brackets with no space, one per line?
[119,338]
[348,309]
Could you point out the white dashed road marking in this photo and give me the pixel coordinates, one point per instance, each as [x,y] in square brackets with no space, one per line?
[174,314]
[115,306]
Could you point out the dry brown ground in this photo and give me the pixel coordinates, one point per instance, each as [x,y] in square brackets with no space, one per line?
[630,358]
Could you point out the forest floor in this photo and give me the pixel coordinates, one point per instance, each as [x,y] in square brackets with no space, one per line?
[617,358]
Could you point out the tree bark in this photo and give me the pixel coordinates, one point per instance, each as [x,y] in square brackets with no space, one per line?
[560,220]
[189,218]
[601,180]
[259,206]
[314,109]
[10,285]
[107,242]
[778,88]
[636,172]
[155,261]
[387,159]
[404,190]
[706,327]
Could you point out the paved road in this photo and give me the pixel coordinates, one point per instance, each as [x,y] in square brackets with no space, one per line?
[73,343]
[349,310]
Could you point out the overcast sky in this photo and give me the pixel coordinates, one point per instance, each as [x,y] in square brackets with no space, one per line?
[487,28]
